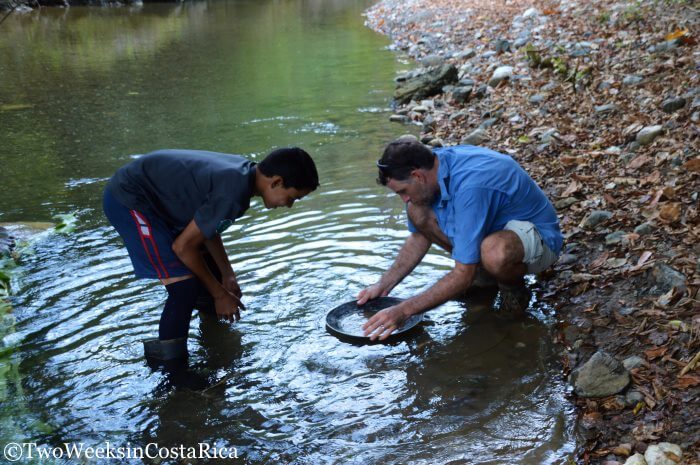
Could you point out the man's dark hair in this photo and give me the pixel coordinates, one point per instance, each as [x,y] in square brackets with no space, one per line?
[401,157]
[294,165]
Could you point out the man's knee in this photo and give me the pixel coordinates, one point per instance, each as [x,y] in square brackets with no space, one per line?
[499,250]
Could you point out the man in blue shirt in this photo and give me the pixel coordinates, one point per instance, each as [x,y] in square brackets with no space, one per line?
[170,207]
[477,204]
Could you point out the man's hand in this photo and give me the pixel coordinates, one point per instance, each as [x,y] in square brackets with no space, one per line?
[371,293]
[228,307]
[385,322]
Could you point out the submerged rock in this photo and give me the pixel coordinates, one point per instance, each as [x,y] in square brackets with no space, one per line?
[601,376]
[663,453]
[426,84]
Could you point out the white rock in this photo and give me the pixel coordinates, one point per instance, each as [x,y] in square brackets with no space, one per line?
[636,459]
[530,12]
[663,453]
[501,74]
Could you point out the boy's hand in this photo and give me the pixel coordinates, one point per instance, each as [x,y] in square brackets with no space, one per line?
[230,283]
[227,307]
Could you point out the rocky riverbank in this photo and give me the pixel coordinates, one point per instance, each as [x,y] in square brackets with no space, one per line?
[600,102]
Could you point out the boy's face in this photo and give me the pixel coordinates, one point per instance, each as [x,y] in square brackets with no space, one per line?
[276,195]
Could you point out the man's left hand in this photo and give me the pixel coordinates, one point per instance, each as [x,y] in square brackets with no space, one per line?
[383,323]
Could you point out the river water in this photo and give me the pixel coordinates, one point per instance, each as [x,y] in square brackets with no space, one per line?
[83,89]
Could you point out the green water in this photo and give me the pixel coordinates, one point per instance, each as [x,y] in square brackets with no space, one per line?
[84,89]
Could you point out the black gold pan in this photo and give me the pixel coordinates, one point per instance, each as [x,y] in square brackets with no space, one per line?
[345,321]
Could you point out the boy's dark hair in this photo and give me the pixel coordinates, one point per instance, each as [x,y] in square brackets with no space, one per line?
[294,165]
[401,157]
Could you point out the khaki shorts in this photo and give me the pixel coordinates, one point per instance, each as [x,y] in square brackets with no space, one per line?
[538,257]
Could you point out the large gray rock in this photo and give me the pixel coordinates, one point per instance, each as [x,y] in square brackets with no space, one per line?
[476,137]
[647,135]
[426,84]
[665,278]
[663,453]
[601,376]
[500,74]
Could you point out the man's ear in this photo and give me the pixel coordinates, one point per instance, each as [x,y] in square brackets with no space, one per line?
[418,175]
[277,181]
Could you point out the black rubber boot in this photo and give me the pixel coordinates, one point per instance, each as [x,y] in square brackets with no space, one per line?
[165,351]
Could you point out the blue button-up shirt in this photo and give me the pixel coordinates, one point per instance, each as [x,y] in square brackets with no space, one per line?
[480,191]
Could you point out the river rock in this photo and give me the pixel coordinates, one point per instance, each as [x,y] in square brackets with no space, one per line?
[606,109]
[666,278]
[636,459]
[632,80]
[567,259]
[432,60]
[615,237]
[407,138]
[673,104]
[426,84]
[595,218]
[461,94]
[663,453]
[632,362]
[481,91]
[501,46]
[500,74]
[399,119]
[647,135]
[467,53]
[537,98]
[488,122]
[566,202]
[644,229]
[632,398]
[476,137]
[601,376]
